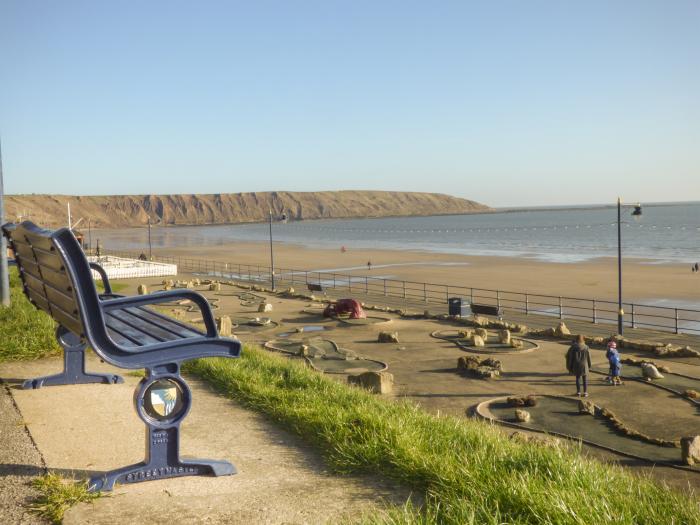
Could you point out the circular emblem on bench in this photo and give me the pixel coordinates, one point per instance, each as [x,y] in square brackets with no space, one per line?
[164,400]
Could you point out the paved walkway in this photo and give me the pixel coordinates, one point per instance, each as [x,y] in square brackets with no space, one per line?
[20,461]
[80,429]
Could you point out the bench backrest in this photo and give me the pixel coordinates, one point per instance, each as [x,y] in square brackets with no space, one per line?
[48,262]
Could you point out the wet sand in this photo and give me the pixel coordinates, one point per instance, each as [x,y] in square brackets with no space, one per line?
[644,281]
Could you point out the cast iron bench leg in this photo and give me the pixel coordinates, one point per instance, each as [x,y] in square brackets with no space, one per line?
[162,461]
[162,448]
[73,365]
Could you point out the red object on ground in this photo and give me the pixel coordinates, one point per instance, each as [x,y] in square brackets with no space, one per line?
[345,306]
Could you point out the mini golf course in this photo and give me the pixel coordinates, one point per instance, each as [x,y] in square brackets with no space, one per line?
[491,346]
[317,314]
[559,416]
[326,356]
[246,325]
[672,382]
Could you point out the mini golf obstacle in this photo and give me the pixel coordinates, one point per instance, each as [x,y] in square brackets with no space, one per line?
[560,416]
[247,299]
[317,313]
[363,321]
[303,330]
[246,325]
[189,306]
[326,356]
[492,345]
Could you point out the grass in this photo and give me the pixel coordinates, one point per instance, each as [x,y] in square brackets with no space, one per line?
[57,495]
[25,332]
[467,471]
[116,287]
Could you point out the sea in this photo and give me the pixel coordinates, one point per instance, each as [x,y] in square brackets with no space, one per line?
[664,233]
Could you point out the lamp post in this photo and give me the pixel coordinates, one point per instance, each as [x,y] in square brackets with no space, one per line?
[272,257]
[150,250]
[620,312]
[4,272]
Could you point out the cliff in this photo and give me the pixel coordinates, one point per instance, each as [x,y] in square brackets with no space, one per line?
[117,211]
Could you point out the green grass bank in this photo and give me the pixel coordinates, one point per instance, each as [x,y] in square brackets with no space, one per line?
[467,470]
[25,332]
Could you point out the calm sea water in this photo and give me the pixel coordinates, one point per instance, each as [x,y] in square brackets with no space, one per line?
[664,233]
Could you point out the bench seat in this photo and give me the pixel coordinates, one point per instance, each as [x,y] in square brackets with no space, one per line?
[137,326]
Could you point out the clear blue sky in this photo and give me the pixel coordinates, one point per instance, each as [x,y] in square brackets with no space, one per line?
[505,102]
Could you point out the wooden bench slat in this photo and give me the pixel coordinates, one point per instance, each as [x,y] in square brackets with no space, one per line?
[59,280]
[41,242]
[120,339]
[67,320]
[36,285]
[24,251]
[30,267]
[18,239]
[129,332]
[63,301]
[146,328]
[48,259]
[39,300]
[165,322]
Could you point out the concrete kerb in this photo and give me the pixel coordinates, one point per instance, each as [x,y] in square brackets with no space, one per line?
[476,350]
[310,362]
[657,385]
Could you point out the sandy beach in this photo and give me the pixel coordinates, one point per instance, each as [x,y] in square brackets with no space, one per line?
[644,281]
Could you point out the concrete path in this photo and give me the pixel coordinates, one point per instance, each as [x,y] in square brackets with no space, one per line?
[84,428]
[20,461]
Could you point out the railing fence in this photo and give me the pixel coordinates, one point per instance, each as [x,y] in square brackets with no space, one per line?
[672,319]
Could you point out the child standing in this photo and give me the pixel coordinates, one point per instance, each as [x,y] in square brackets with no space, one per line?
[615,364]
[612,347]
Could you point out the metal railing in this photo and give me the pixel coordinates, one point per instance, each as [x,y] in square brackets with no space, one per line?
[672,319]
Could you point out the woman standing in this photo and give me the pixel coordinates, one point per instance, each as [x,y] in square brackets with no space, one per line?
[578,362]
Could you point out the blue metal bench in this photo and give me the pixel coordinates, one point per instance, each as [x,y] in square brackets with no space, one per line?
[486,309]
[313,287]
[124,332]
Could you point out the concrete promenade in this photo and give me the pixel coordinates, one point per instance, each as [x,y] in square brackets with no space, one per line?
[280,479]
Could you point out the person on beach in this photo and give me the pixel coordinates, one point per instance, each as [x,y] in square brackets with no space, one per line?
[578,362]
[369,265]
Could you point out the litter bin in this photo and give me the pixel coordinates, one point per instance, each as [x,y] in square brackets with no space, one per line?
[458,306]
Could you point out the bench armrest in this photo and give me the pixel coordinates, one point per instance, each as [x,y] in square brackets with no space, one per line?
[165,296]
[103,275]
